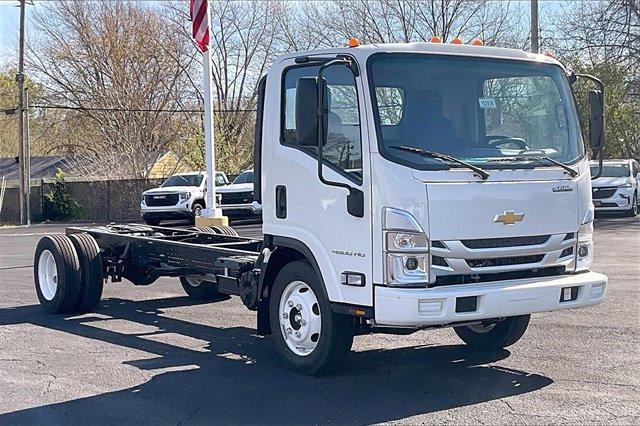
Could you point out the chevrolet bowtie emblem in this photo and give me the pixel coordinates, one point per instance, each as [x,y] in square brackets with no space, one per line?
[508,218]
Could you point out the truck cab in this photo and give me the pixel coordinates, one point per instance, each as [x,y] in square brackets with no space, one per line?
[437,184]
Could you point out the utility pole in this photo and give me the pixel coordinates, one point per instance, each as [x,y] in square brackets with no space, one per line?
[535,36]
[27,150]
[21,152]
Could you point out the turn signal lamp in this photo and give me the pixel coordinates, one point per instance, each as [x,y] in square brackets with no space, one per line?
[477,42]
[456,40]
[549,54]
[353,42]
[436,39]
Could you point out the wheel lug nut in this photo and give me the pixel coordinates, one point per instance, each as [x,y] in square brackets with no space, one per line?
[290,303]
[299,307]
[285,315]
[303,322]
[288,331]
[297,334]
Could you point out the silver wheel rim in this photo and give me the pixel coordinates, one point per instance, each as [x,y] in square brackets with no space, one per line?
[197,210]
[193,280]
[300,318]
[47,275]
[480,328]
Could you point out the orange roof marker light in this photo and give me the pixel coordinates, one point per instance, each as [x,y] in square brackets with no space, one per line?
[353,42]
[436,39]
[456,40]
[477,42]
[549,54]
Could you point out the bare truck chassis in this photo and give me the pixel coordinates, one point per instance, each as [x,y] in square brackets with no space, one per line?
[142,254]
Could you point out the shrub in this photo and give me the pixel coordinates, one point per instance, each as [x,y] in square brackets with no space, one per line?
[58,203]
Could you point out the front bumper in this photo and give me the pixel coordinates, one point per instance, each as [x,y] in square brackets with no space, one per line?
[253,208]
[166,213]
[620,200]
[406,307]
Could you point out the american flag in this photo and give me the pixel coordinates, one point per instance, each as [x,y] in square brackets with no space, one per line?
[200,31]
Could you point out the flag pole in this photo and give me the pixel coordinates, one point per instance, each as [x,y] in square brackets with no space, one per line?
[212,210]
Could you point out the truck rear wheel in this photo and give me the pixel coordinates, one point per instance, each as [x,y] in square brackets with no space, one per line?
[198,288]
[494,336]
[57,274]
[91,282]
[308,335]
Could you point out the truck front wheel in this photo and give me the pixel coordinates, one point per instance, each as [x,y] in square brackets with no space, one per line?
[308,335]
[494,336]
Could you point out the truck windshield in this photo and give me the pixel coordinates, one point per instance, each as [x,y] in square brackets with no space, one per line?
[182,180]
[244,177]
[493,113]
[612,170]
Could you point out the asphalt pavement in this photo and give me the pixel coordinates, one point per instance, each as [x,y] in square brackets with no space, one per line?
[151,355]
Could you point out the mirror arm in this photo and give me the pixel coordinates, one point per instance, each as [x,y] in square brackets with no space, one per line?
[321,113]
[600,85]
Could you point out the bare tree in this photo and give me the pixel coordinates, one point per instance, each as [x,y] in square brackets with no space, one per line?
[118,66]
[403,21]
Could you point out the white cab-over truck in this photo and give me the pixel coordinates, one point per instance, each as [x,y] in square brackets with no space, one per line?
[404,187]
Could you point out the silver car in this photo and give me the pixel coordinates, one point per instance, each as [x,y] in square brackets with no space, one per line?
[617,187]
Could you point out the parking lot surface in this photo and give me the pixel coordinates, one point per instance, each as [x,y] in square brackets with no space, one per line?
[150,355]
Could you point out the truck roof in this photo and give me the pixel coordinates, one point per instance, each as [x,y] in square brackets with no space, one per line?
[363,51]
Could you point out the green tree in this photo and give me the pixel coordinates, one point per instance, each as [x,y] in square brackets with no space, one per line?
[621,110]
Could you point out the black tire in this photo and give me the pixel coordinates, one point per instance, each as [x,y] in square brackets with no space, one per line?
[633,211]
[67,274]
[91,282]
[224,230]
[197,208]
[152,222]
[336,336]
[199,289]
[504,333]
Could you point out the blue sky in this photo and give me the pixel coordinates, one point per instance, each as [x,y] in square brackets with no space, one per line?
[10,14]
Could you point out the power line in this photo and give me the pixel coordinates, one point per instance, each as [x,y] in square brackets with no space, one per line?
[134,109]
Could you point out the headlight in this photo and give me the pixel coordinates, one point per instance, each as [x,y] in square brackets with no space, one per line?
[584,255]
[406,250]
[184,196]
[629,184]
[405,241]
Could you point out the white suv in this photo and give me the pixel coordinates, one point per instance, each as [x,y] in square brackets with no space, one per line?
[179,197]
[617,188]
[236,199]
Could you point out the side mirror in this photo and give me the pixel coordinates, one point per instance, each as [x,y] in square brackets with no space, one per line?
[596,120]
[308,105]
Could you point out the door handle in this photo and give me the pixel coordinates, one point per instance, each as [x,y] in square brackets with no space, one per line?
[281,202]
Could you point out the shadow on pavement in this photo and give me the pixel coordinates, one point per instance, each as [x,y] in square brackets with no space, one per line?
[614,221]
[240,380]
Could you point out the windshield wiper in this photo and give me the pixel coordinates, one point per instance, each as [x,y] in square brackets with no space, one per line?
[570,170]
[482,174]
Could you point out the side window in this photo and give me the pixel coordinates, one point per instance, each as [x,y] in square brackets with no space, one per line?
[343,149]
[390,102]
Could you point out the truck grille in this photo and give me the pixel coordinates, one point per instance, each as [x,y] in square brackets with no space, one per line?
[604,192]
[468,259]
[237,197]
[504,261]
[506,242]
[156,200]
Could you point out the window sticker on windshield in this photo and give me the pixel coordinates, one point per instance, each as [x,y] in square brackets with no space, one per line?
[487,103]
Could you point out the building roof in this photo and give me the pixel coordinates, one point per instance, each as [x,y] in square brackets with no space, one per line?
[41,167]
